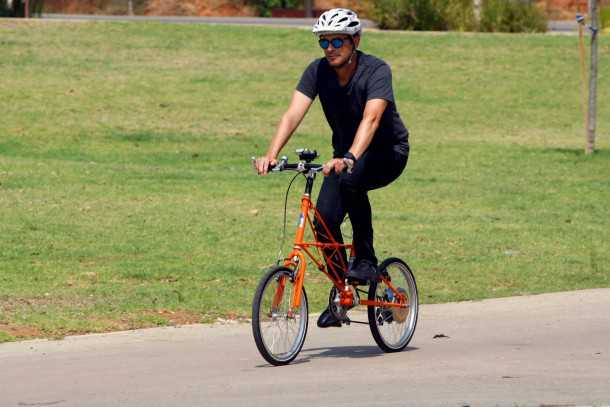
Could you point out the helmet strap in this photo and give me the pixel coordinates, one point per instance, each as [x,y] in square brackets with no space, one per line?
[351,38]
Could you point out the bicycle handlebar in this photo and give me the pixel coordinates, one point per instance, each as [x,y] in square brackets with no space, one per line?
[301,166]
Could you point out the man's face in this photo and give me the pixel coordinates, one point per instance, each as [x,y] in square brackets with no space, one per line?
[337,48]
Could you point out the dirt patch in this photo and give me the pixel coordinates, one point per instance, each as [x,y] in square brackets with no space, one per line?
[219,8]
[21,332]
[198,8]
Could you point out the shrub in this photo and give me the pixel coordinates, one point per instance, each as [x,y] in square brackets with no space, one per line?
[437,15]
[408,15]
[264,7]
[511,16]
[16,8]
[496,15]
[459,15]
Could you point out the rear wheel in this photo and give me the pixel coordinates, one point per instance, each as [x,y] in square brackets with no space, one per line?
[393,327]
[279,331]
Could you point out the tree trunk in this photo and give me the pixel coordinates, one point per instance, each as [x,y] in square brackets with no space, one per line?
[130,7]
[477,12]
[308,8]
[591,120]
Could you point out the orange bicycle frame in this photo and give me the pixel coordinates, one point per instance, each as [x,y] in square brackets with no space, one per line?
[329,260]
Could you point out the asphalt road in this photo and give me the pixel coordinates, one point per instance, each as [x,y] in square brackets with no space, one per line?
[551,349]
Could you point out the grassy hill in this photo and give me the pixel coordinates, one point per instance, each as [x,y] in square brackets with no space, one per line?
[127,198]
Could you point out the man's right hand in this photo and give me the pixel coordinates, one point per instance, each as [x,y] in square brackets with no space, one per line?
[262,164]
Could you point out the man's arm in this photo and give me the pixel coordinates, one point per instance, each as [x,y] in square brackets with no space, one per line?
[299,105]
[373,110]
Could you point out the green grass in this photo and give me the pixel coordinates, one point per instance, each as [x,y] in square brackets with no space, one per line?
[127,197]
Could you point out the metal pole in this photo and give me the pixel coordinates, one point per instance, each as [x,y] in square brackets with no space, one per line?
[593,10]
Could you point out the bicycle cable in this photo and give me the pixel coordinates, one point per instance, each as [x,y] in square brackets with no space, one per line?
[283,238]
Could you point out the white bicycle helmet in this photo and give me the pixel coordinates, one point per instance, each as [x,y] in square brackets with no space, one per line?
[337,21]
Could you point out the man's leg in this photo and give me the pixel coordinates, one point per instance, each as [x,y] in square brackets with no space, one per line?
[331,209]
[372,171]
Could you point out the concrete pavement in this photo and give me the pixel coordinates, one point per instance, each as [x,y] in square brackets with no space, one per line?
[550,349]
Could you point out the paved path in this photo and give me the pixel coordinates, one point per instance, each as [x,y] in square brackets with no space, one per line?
[564,26]
[551,349]
[276,21]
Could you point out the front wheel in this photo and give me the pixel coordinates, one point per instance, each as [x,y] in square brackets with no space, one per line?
[393,327]
[279,331]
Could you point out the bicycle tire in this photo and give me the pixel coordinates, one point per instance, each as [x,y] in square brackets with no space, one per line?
[386,323]
[265,318]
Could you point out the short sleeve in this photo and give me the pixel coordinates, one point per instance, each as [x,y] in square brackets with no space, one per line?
[379,84]
[308,85]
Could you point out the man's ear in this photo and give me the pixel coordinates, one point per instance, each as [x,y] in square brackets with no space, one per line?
[357,40]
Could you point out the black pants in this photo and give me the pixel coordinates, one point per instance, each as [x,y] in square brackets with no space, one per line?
[348,194]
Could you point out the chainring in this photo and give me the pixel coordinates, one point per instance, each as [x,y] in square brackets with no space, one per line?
[401,314]
[335,309]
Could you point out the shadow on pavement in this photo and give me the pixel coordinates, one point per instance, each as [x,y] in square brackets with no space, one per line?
[307,355]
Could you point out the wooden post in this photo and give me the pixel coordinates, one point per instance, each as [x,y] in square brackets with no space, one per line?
[591,119]
[583,74]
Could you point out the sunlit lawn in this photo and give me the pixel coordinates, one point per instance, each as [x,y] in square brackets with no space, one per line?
[127,197]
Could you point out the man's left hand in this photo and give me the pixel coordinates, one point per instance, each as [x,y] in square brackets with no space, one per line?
[336,164]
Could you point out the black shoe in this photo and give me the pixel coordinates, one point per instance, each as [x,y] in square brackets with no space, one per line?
[362,272]
[327,319]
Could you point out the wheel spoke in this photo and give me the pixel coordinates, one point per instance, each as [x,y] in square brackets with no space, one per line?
[394,327]
[281,333]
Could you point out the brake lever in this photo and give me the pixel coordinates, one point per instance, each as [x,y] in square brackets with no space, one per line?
[280,165]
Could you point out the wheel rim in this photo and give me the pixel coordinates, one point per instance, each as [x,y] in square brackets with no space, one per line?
[396,325]
[282,329]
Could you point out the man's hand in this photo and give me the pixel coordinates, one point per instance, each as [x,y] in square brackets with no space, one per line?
[262,164]
[336,164]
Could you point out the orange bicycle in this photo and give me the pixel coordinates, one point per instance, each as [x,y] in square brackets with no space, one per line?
[280,310]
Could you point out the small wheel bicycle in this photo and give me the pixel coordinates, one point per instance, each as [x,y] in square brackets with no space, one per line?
[280,309]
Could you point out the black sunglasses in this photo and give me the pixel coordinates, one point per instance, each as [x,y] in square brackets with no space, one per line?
[336,42]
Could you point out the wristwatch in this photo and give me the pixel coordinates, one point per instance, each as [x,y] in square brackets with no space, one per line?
[350,160]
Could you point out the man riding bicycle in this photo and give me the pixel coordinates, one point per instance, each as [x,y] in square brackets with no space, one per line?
[370,141]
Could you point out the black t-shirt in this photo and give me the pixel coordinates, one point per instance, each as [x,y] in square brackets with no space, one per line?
[344,105]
